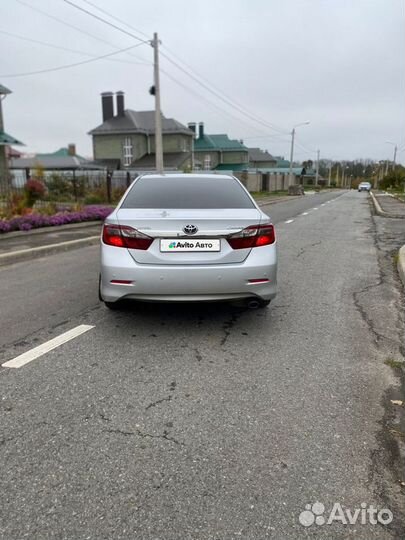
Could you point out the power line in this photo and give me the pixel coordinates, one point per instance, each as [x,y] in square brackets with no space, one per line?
[106,22]
[218,95]
[61,48]
[63,22]
[115,18]
[66,66]
[204,99]
[235,103]
[132,35]
[69,25]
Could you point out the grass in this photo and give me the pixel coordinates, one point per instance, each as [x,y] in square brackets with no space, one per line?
[268,193]
[396,364]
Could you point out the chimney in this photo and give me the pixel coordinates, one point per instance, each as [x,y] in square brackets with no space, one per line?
[120,103]
[71,149]
[107,105]
[193,127]
[201,130]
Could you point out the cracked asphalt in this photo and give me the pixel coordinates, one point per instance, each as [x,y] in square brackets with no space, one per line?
[210,421]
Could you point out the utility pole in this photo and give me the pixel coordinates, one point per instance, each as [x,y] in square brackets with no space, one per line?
[290,181]
[395,157]
[330,174]
[317,167]
[158,116]
[292,150]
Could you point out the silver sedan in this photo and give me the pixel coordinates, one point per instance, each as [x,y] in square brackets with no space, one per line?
[188,237]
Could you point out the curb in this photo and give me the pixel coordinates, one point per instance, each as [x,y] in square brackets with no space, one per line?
[32,253]
[46,230]
[401,264]
[382,212]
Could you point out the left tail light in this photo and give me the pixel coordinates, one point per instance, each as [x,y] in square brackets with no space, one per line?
[253,236]
[126,237]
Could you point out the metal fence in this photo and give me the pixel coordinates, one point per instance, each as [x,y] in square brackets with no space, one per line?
[81,186]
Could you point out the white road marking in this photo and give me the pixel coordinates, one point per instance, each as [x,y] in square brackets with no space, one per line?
[323,204]
[304,214]
[314,208]
[289,221]
[36,352]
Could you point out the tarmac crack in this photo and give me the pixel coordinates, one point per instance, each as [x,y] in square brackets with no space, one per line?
[166,436]
[228,325]
[158,402]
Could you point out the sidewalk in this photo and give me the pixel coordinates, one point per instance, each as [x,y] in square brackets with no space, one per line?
[21,246]
[388,206]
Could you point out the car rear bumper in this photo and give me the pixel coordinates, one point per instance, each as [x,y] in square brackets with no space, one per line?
[182,283]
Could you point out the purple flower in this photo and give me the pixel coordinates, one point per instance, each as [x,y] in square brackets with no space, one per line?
[33,221]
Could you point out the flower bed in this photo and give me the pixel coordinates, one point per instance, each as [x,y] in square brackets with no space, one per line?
[36,220]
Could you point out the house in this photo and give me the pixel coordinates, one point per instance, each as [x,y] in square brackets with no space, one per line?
[5,141]
[126,138]
[281,162]
[218,152]
[64,159]
[261,158]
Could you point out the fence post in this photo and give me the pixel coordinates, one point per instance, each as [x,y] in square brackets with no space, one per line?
[109,178]
[74,186]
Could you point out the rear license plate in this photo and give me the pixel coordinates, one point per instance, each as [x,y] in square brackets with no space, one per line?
[195,244]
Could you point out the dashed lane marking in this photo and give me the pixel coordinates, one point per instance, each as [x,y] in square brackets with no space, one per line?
[36,352]
[289,220]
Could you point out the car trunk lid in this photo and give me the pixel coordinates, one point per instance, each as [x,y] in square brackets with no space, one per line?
[168,224]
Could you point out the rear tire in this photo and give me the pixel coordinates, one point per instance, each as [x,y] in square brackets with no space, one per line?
[114,306]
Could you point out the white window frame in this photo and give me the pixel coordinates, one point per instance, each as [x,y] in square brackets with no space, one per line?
[127,152]
[207,162]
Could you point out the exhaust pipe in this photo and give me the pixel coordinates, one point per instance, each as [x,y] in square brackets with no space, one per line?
[253,304]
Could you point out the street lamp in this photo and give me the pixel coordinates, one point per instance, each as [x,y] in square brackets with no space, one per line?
[292,148]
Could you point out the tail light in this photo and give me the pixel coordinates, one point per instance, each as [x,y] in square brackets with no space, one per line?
[253,236]
[126,237]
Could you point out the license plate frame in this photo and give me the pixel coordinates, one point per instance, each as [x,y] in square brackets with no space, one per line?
[190,245]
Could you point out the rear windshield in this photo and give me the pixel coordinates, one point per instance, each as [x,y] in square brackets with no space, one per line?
[174,192]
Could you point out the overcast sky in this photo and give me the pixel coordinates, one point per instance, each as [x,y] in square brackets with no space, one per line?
[338,64]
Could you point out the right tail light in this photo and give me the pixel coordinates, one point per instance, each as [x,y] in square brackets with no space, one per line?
[253,236]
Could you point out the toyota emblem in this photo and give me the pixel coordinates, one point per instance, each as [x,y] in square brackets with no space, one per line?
[190,229]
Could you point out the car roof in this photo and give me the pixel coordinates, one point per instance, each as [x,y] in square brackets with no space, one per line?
[193,176]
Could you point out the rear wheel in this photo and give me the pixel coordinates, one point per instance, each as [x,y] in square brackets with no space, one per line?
[114,306]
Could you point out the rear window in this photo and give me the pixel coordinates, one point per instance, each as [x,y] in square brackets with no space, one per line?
[174,192]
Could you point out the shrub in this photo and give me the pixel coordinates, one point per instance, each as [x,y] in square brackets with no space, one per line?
[58,188]
[34,190]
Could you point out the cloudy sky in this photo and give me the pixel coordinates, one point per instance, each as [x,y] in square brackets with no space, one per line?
[270,64]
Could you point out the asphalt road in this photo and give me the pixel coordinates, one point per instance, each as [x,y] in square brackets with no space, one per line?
[206,422]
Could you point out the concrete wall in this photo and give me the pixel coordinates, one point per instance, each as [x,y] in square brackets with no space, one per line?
[251,181]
